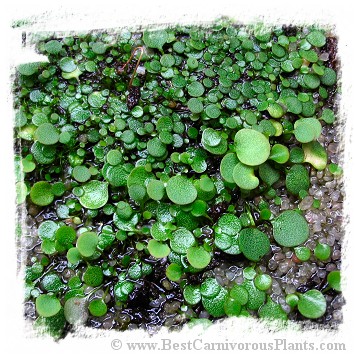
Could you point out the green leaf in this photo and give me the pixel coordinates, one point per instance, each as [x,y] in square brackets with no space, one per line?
[67,64]
[158,249]
[263,282]
[81,173]
[322,252]
[97,308]
[195,105]
[334,280]
[41,193]
[251,146]
[275,110]
[155,39]
[47,230]
[87,243]
[156,148]
[73,256]
[329,77]
[211,138]
[198,257]
[307,129]
[239,294]
[47,305]
[53,47]
[181,240]
[297,179]
[95,194]
[243,176]
[290,229]
[210,288]
[312,304]
[316,38]
[215,306]
[174,272]
[28,69]
[93,276]
[195,89]
[272,311]
[96,100]
[47,134]
[228,162]
[192,294]
[229,224]
[160,232]
[52,283]
[180,190]
[315,154]
[254,244]
[279,153]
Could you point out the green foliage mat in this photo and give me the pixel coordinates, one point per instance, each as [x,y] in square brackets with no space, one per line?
[132,147]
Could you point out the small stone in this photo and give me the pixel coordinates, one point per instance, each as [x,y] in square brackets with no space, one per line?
[306,203]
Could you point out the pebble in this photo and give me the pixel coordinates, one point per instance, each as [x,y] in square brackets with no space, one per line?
[172,307]
[306,203]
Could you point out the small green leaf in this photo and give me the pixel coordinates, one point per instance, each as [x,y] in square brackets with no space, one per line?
[251,146]
[93,276]
[95,194]
[279,153]
[41,193]
[180,190]
[312,304]
[334,280]
[47,134]
[240,294]
[158,249]
[290,229]
[67,64]
[53,47]
[315,154]
[297,179]
[97,308]
[229,224]
[192,295]
[174,272]
[155,39]
[87,243]
[254,244]
[47,305]
[215,305]
[244,177]
[210,288]
[156,189]
[228,162]
[182,239]
[272,311]
[316,38]
[198,257]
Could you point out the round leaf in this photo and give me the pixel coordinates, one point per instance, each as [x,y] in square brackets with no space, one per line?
[158,249]
[198,257]
[180,190]
[312,304]
[47,305]
[254,244]
[251,146]
[41,193]
[87,243]
[290,229]
[95,194]
[182,239]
